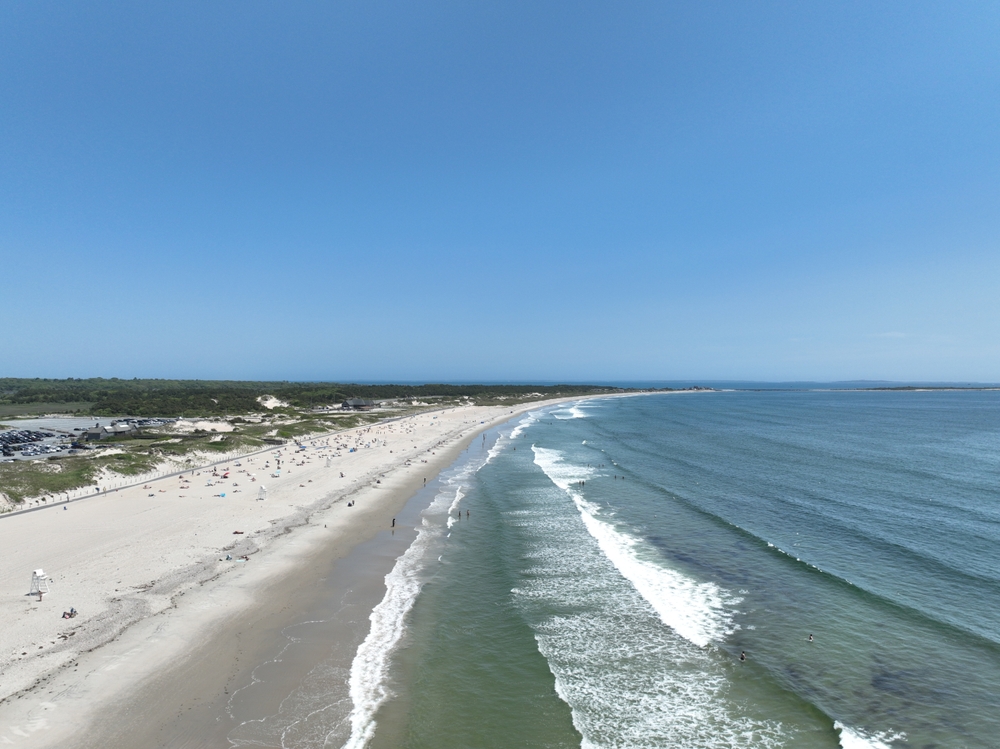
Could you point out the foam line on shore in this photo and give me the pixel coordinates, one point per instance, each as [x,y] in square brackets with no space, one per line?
[529,419]
[699,612]
[852,738]
[370,668]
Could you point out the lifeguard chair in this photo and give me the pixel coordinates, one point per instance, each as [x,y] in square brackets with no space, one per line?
[262,493]
[39,583]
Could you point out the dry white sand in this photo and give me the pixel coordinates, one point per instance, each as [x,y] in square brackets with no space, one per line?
[145,567]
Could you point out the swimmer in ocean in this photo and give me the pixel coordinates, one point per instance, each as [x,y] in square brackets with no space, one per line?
[743,655]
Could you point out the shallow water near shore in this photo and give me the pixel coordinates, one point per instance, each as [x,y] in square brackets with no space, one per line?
[618,555]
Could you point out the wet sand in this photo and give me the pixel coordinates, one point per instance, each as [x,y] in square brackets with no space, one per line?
[239,685]
[173,678]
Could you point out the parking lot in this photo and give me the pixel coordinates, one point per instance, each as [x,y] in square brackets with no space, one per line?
[51,436]
[21,444]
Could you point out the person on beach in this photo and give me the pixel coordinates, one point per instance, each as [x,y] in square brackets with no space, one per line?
[394,522]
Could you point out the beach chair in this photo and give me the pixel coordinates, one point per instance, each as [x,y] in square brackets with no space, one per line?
[39,583]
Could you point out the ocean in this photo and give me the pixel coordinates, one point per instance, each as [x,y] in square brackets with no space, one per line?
[590,574]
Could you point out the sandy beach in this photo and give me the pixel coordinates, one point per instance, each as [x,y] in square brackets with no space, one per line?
[177,587]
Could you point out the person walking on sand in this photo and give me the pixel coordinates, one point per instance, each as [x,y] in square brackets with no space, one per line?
[394,522]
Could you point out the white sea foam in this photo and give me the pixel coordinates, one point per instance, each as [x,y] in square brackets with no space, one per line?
[696,611]
[454,505]
[629,680]
[530,418]
[370,668]
[458,498]
[573,412]
[852,738]
[496,449]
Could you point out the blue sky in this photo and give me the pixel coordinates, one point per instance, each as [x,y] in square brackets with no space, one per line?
[516,191]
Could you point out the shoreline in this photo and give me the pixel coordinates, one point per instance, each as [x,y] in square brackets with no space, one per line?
[182,650]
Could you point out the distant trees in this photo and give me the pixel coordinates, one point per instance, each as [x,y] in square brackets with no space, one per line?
[113,396]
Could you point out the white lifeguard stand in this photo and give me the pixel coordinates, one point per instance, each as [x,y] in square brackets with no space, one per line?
[39,583]
[262,493]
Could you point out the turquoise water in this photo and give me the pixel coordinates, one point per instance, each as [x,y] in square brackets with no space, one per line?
[612,613]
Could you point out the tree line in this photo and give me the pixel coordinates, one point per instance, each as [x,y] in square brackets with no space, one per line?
[150,397]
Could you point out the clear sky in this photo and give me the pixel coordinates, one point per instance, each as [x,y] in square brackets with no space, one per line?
[500,191]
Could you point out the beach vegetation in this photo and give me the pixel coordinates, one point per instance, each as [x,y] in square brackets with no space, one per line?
[33,409]
[153,448]
[22,479]
[242,421]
